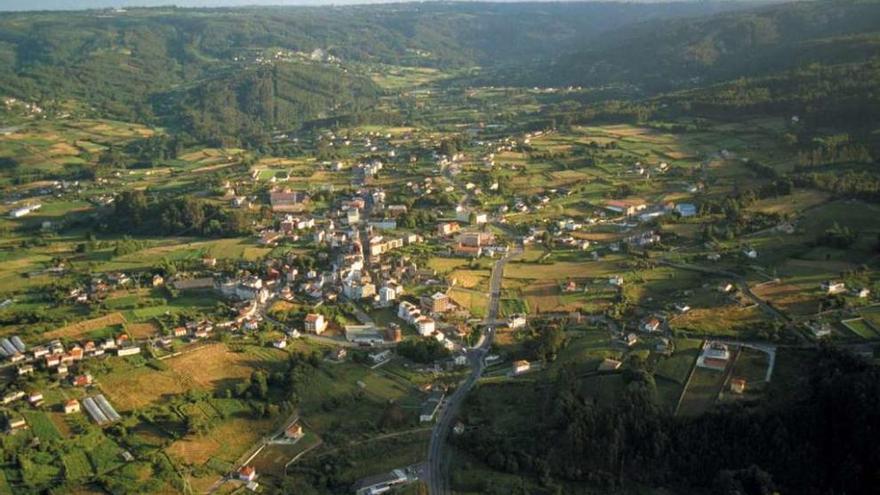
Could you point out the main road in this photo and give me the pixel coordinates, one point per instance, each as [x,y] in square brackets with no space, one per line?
[437,475]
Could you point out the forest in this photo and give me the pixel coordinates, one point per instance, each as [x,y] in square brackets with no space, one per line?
[738,449]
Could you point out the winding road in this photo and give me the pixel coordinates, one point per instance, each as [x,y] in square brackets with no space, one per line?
[437,473]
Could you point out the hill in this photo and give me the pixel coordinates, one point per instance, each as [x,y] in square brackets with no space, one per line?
[668,54]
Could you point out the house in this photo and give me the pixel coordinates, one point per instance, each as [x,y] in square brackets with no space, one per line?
[609,364]
[82,380]
[863,293]
[631,339]
[818,329]
[686,209]
[13,396]
[616,280]
[247,473]
[24,210]
[71,406]
[387,295]
[353,216]
[394,333]
[738,385]
[521,366]
[280,344]
[180,332]
[467,251]
[35,399]
[651,325]
[682,307]
[476,239]
[726,288]
[664,346]
[431,406]
[831,287]
[408,312]
[381,356]
[15,424]
[315,323]
[750,253]
[447,228]
[338,354]
[363,334]
[289,201]
[569,286]
[294,432]
[425,325]
[158,280]
[382,483]
[625,207]
[715,355]
[128,351]
[516,321]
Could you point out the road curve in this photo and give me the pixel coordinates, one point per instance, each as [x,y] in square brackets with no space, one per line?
[437,474]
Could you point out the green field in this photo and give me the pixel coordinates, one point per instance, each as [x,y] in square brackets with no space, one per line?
[678,366]
[42,425]
[861,328]
[76,465]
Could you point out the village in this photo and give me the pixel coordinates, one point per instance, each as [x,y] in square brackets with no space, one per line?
[384,276]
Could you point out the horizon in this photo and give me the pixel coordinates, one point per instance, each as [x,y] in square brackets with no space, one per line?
[82,5]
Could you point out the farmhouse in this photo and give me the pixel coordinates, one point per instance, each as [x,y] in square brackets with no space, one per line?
[715,355]
[738,385]
[294,432]
[651,325]
[521,366]
[71,406]
[832,287]
[247,473]
[609,364]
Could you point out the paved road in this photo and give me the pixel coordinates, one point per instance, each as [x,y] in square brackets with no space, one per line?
[437,475]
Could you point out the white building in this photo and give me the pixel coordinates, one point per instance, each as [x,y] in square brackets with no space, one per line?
[425,326]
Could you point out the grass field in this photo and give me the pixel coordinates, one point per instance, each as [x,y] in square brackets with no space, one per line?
[701,392]
[678,366]
[476,302]
[227,441]
[860,327]
[76,465]
[274,457]
[42,425]
[206,368]
[78,330]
